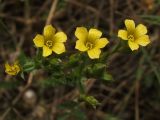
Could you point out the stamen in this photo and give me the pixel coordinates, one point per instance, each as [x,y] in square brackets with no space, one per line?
[130,37]
[49,43]
[89,45]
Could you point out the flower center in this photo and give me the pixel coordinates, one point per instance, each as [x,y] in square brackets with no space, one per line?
[131,38]
[49,43]
[89,45]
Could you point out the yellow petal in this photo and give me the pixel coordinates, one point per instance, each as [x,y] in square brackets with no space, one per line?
[49,31]
[140,30]
[94,53]
[58,48]
[80,45]
[46,51]
[94,34]
[60,37]
[123,34]
[17,68]
[130,25]
[81,33]
[133,45]
[101,43]
[11,72]
[7,66]
[38,40]
[143,40]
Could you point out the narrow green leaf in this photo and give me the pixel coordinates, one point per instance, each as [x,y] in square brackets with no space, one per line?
[107,77]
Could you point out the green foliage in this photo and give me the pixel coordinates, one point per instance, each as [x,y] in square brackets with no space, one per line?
[27,64]
[90,100]
[73,71]
[107,77]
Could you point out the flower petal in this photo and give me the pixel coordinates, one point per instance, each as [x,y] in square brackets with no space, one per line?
[94,34]
[94,53]
[130,25]
[123,34]
[17,68]
[101,43]
[46,51]
[81,33]
[60,37]
[80,45]
[58,48]
[49,31]
[143,40]
[133,45]
[7,66]
[38,40]
[140,30]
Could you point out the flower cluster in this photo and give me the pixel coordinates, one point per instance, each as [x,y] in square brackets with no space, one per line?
[90,41]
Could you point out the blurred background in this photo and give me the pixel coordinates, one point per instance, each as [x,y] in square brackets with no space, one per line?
[134,94]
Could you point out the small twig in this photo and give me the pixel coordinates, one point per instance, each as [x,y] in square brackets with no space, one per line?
[111,16]
[137,100]
[43,8]
[137,87]
[30,78]
[52,12]
[97,15]
[87,7]
[5,114]
[18,114]
[71,95]
[153,67]
[112,93]
[18,19]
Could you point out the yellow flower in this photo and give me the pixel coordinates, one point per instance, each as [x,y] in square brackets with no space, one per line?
[12,69]
[50,41]
[90,41]
[135,35]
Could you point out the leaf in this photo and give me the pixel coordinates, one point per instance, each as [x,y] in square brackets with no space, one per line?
[22,75]
[99,66]
[97,70]
[22,58]
[55,61]
[29,66]
[90,99]
[73,60]
[107,77]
